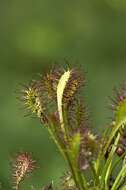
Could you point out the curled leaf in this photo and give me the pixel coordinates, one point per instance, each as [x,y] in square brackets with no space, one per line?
[89,148]
[23,165]
[119,105]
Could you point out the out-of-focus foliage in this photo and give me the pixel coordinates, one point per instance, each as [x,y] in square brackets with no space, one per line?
[35,34]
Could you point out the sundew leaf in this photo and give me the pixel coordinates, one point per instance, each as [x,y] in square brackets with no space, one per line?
[60,92]
[119,107]
[74,147]
[120,114]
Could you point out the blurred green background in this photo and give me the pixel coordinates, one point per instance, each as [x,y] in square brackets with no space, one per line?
[35,34]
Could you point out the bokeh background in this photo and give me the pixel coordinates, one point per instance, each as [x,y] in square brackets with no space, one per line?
[35,34]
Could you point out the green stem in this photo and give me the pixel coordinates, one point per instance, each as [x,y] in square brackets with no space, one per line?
[53,135]
[98,163]
[108,165]
[118,178]
[95,174]
[112,135]
[76,176]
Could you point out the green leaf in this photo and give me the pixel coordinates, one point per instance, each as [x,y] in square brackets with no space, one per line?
[120,114]
[60,92]
[74,147]
[108,165]
[123,188]
[118,180]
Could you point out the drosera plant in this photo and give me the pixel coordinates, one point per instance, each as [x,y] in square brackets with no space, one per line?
[23,164]
[94,163]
